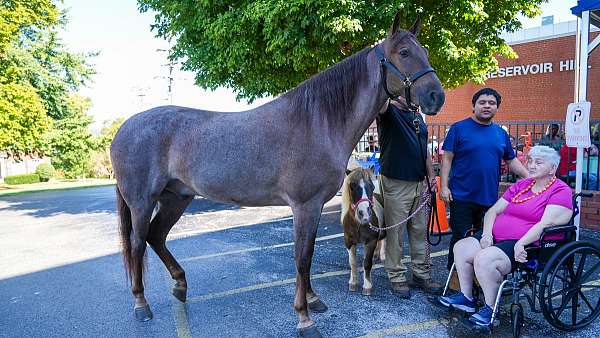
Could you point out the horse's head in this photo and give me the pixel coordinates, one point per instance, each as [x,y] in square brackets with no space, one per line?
[412,70]
[358,193]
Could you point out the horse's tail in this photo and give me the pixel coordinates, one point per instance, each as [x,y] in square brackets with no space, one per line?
[125,230]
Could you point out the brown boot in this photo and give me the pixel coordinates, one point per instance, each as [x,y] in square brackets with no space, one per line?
[428,285]
[401,289]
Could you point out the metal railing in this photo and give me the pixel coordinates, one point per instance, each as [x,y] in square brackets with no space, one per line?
[523,135]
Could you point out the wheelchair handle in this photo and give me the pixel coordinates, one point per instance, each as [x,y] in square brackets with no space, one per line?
[583,194]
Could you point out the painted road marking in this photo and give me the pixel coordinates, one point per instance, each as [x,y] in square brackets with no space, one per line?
[181,319]
[188,233]
[290,281]
[407,328]
[233,252]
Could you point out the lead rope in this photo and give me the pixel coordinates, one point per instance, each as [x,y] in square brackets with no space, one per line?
[432,216]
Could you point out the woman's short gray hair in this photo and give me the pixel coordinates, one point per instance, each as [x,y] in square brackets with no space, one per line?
[546,153]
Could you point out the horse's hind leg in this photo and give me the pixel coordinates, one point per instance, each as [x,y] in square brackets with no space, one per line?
[171,207]
[140,220]
[368,264]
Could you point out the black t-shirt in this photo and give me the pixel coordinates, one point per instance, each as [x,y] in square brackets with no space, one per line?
[400,157]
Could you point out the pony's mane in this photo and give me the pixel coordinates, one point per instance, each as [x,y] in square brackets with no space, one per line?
[332,92]
[354,176]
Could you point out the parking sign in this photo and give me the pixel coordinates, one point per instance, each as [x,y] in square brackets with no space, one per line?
[577,124]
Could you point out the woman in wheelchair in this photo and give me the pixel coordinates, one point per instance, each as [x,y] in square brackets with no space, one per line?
[513,223]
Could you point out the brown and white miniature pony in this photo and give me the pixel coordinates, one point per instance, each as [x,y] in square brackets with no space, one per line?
[359,211]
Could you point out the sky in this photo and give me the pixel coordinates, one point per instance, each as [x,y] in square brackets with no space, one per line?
[132,66]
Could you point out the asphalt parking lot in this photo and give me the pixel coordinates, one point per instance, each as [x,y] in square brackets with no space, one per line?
[61,275]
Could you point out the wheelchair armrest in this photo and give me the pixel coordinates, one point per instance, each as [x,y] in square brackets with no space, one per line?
[559,228]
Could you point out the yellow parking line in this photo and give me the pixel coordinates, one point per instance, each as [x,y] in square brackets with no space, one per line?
[404,329]
[290,281]
[181,319]
[233,252]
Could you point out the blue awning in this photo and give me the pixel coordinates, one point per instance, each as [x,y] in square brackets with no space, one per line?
[588,5]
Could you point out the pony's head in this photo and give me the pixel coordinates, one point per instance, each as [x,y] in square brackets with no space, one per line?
[357,195]
[402,50]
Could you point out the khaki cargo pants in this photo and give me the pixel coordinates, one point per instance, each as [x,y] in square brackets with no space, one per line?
[400,199]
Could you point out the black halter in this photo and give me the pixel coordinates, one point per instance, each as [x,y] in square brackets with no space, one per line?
[406,81]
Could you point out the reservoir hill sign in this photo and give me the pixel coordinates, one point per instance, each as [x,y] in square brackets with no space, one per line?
[534,68]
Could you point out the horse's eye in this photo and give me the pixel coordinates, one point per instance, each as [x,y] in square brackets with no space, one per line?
[404,52]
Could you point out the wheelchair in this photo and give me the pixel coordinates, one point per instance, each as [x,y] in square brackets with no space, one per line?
[562,275]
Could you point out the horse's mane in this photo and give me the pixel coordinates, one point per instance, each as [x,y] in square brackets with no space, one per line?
[332,92]
[354,176]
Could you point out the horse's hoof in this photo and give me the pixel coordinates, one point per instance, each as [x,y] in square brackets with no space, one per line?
[317,306]
[180,293]
[352,287]
[143,314]
[367,292]
[309,332]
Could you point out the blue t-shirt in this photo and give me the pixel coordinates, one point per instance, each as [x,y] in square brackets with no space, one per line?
[478,152]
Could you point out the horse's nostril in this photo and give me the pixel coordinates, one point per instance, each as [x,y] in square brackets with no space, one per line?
[433,95]
[436,97]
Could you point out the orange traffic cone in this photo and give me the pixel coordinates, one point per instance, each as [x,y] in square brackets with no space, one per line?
[441,209]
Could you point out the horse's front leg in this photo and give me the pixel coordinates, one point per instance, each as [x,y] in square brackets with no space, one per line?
[367,265]
[306,221]
[353,282]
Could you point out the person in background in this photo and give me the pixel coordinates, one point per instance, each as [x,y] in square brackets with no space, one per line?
[552,137]
[567,169]
[372,146]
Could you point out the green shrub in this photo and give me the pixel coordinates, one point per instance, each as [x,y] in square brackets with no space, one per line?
[45,171]
[22,179]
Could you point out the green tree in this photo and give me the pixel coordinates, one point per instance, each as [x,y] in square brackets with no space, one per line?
[39,76]
[266,47]
[23,119]
[101,164]
[18,16]
[70,142]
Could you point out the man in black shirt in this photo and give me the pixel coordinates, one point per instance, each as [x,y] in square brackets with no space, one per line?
[402,182]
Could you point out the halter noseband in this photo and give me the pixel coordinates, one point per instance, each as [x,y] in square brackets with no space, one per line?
[355,205]
[406,80]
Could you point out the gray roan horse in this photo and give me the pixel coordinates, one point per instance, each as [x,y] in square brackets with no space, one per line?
[165,156]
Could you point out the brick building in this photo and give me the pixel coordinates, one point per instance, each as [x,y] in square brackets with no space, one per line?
[536,86]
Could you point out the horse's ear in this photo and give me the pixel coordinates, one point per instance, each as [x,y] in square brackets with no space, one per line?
[395,25]
[416,27]
[348,172]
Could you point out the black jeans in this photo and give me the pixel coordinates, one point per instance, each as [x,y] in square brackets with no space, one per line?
[464,216]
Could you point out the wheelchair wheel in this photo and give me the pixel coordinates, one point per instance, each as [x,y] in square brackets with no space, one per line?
[569,291]
[516,320]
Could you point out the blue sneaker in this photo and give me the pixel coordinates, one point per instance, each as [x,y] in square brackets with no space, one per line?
[483,317]
[458,301]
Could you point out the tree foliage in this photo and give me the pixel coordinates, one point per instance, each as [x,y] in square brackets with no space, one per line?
[266,47]
[23,119]
[40,111]
[19,16]
[70,142]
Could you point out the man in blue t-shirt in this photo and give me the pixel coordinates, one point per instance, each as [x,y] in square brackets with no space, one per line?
[470,174]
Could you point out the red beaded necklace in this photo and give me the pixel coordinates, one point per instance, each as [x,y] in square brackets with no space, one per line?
[534,194]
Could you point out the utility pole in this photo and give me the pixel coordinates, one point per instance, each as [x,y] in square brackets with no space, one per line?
[171,64]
